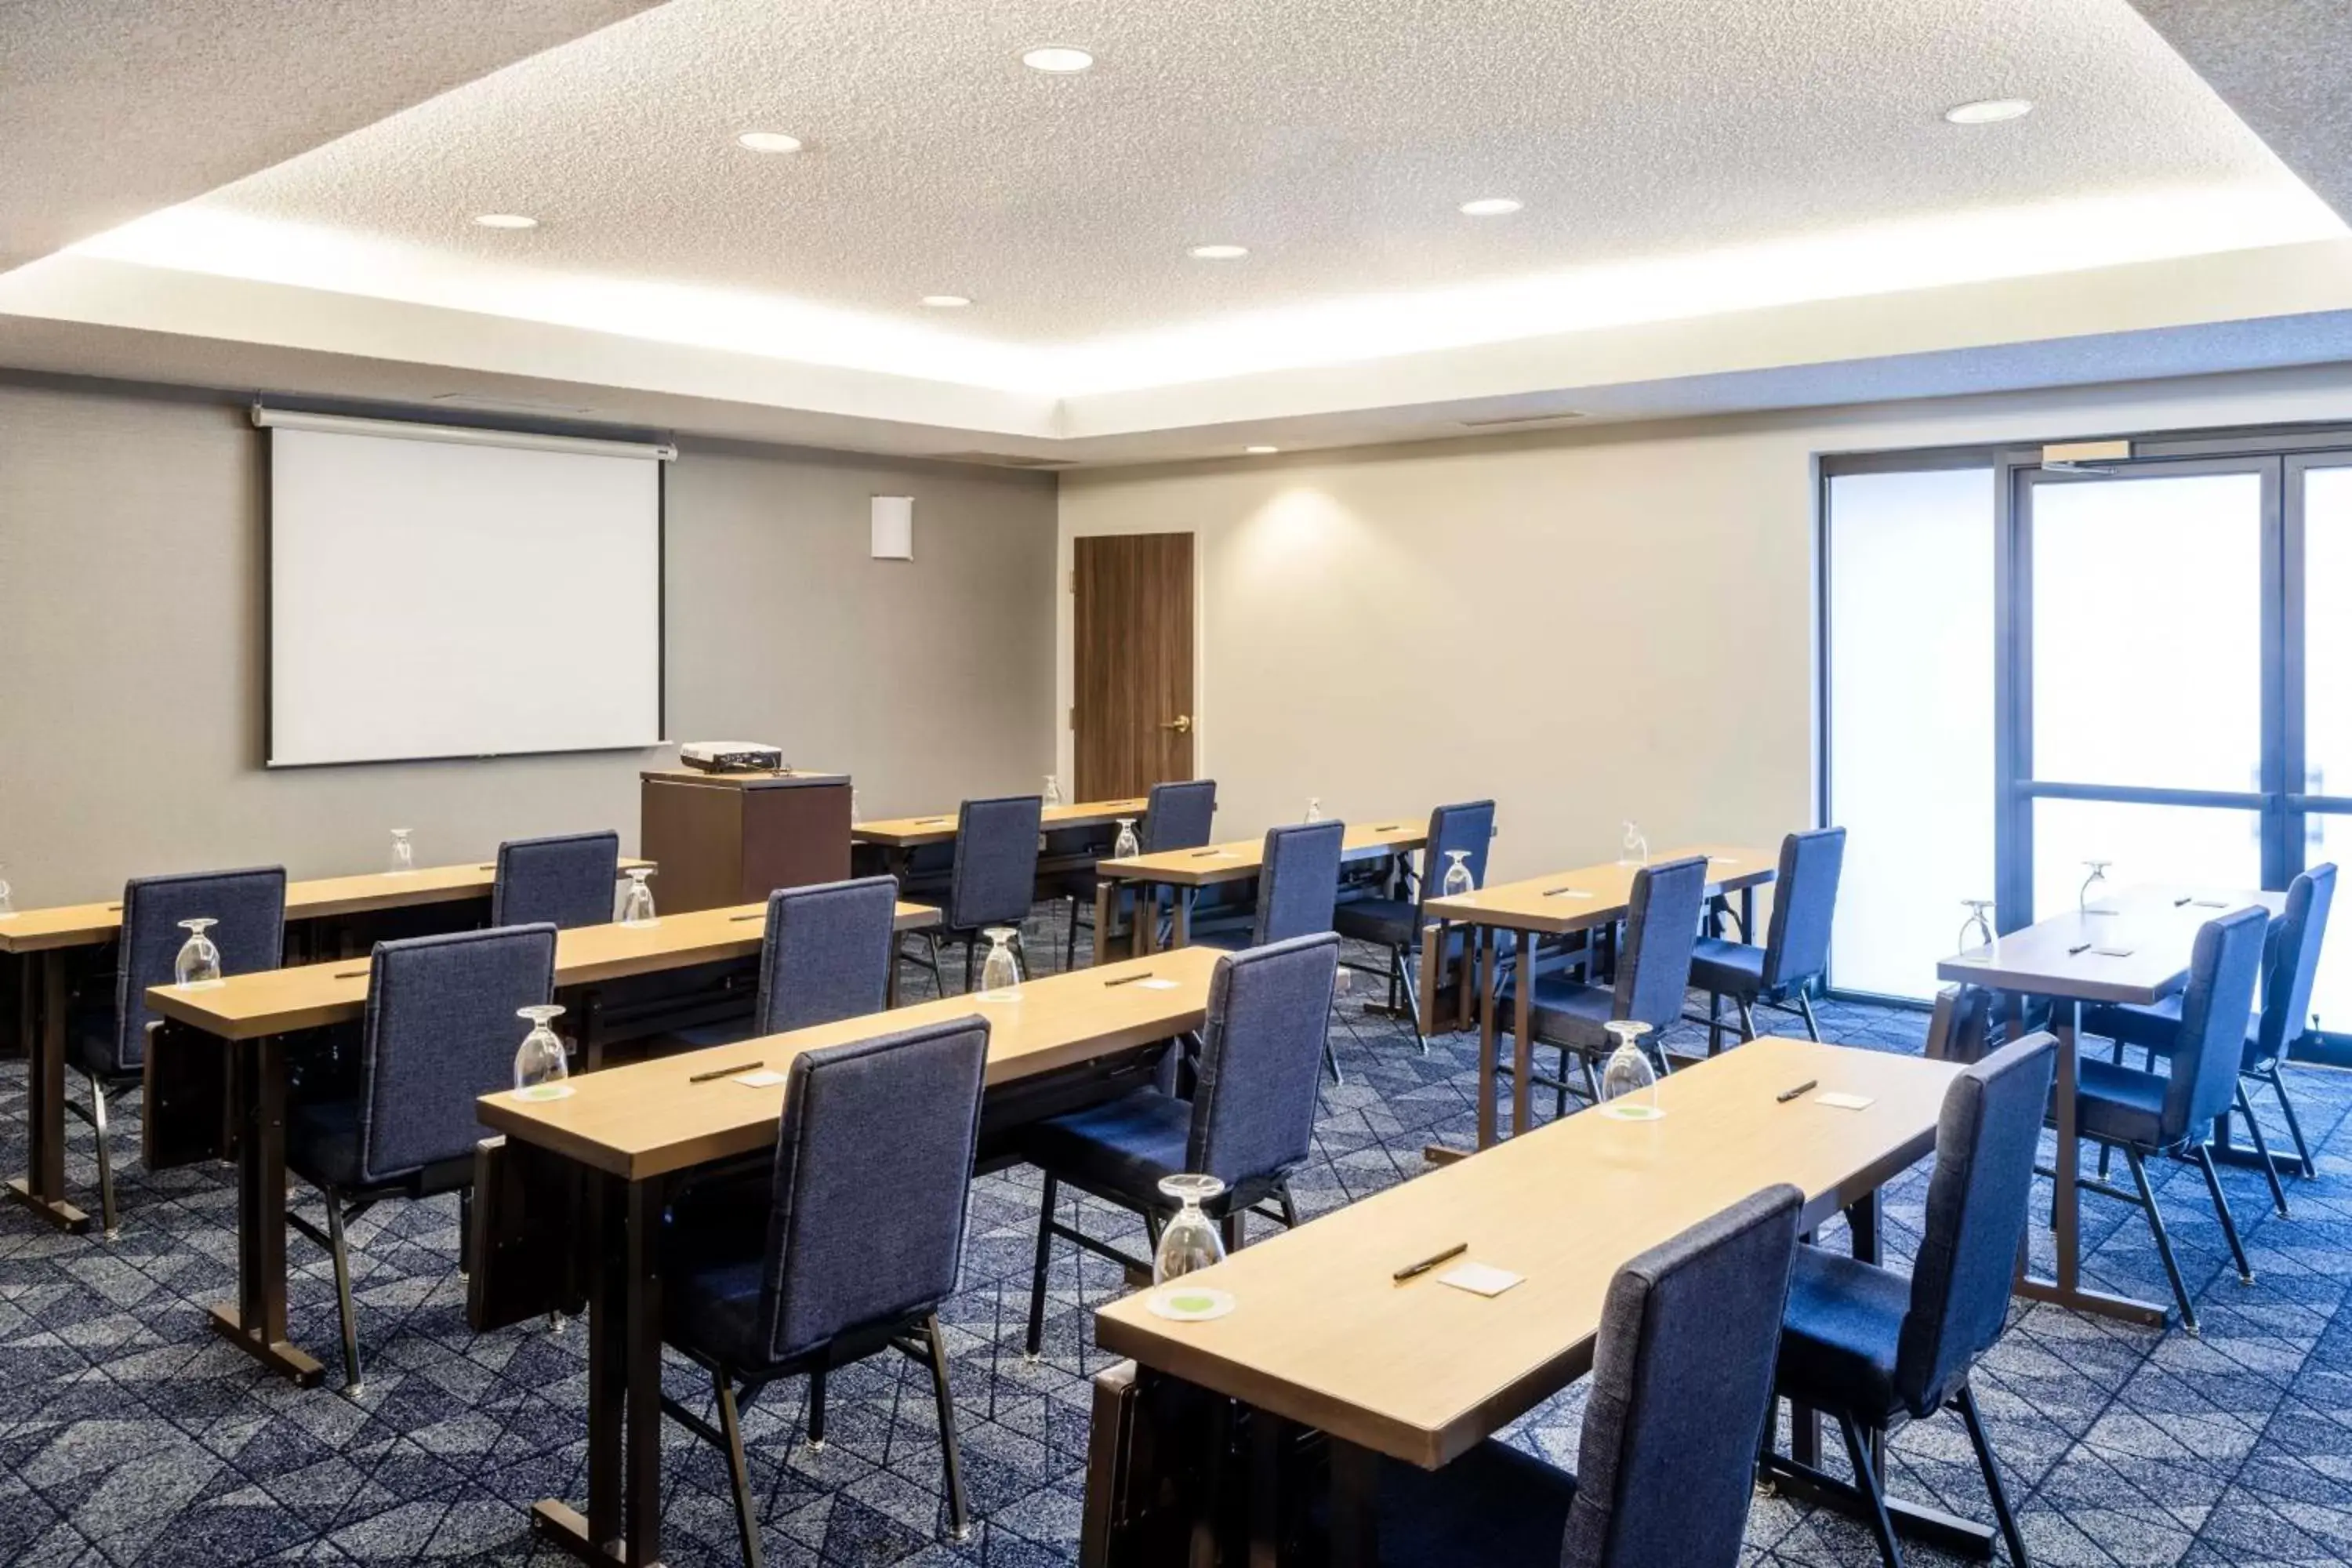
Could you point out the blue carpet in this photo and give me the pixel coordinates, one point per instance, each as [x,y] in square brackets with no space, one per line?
[128,1435]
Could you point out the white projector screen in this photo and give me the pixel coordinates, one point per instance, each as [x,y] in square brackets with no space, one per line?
[429,598]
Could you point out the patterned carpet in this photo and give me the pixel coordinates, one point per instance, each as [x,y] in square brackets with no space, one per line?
[128,1435]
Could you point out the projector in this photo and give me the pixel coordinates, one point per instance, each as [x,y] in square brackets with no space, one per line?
[731,757]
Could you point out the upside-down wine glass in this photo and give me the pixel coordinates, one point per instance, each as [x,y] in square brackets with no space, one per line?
[1190,1240]
[541,1066]
[199,960]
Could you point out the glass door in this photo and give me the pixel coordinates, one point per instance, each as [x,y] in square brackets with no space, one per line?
[2318,688]
[2146,716]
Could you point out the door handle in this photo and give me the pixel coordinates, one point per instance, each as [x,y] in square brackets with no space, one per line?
[1182,724]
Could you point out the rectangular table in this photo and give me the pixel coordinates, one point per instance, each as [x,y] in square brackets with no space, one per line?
[1322,1337]
[894,845]
[2066,960]
[42,939]
[631,1128]
[1186,871]
[249,1017]
[1553,905]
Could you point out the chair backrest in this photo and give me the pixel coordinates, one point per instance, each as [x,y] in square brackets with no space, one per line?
[872,1163]
[564,882]
[1469,827]
[826,955]
[1804,900]
[1682,1385]
[1297,881]
[1985,1143]
[441,1033]
[2294,943]
[250,908]
[1960,1028]
[2225,967]
[1262,1061]
[1178,815]
[995,876]
[1661,933]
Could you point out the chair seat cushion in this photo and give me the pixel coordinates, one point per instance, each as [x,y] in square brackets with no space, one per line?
[702,1037]
[1730,968]
[1840,1332]
[1567,1012]
[2120,1103]
[1387,922]
[322,1142]
[1120,1149]
[1494,1506]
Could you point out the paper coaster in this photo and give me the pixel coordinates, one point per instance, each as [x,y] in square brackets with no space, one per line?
[766,1078]
[1155,985]
[546,1091]
[1479,1279]
[1617,1111]
[1189,1303]
[1843,1102]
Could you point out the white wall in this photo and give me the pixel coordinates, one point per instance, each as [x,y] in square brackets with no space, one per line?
[1585,625]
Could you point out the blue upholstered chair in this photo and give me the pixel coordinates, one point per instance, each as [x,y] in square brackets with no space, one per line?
[1795,956]
[1653,964]
[2144,1113]
[993,882]
[825,956]
[440,1033]
[1682,1385]
[854,1254]
[1959,1025]
[107,1028]
[1873,1350]
[1178,815]
[2292,962]
[1395,923]
[564,882]
[1251,1119]
[1297,885]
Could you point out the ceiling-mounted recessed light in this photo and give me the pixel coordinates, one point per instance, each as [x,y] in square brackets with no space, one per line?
[507,220]
[1490,206]
[1057,60]
[770,142]
[1989,110]
[945,301]
[1220,252]
[1261,451]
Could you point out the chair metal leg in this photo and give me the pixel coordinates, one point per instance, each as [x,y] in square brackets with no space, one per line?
[1036,1342]
[816,1411]
[1289,1208]
[1965,1401]
[1713,1023]
[1331,1061]
[1559,1090]
[339,1249]
[1746,1021]
[1070,954]
[958,1511]
[2163,1242]
[1812,1029]
[1411,1001]
[105,1161]
[2204,1158]
[730,1426]
[2294,1124]
[968,948]
[2262,1151]
[1866,1478]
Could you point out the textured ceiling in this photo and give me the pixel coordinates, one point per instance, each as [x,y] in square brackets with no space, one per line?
[111,109]
[1333,136]
[2286,66]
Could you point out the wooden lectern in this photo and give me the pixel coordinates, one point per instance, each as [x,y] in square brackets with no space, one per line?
[733,838]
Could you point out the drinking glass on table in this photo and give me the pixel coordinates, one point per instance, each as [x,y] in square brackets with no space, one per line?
[1458,879]
[2098,874]
[539,1066]
[1000,972]
[199,960]
[404,853]
[1635,849]
[637,898]
[7,903]
[1314,808]
[1191,1241]
[1129,844]
[1629,1084]
[1053,795]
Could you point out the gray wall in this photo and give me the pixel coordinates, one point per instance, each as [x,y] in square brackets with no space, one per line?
[131,650]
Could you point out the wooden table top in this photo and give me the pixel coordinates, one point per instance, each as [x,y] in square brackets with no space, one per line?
[1233,861]
[276,1001]
[906,832]
[1572,901]
[650,1117]
[1423,1372]
[781,778]
[2139,952]
[86,925]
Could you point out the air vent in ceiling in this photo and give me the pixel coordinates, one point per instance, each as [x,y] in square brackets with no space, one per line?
[1005,460]
[1518,421]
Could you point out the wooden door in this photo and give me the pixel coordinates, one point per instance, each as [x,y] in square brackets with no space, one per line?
[1132,722]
